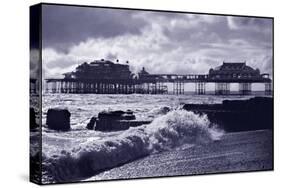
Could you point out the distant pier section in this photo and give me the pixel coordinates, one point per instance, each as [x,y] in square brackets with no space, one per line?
[105,77]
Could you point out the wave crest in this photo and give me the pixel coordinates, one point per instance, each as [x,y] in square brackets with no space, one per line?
[180,127]
[174,129]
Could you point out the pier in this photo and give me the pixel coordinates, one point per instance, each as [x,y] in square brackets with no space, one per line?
[106,77]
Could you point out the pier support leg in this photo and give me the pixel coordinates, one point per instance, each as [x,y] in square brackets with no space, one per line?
[60,87]
[72,87]
[75,87]
[106,88]
[101,88]
[245,88]
[268,88]
[200,88]
[160,88]
[120,88]
[222,88]
[126,88]
[78,87]
[114,88]
[67,86]
[134,88]
[54,87]
[153,88]
[178,88]
[91,87]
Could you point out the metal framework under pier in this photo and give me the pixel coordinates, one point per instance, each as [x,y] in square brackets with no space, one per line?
[104,87]
[222,88]
[245,88]
[200,88]
[178,88]
[268,88]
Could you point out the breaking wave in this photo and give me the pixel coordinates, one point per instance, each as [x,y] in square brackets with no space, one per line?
[166,132]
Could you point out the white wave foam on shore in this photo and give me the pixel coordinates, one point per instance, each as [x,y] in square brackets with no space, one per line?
[174,129]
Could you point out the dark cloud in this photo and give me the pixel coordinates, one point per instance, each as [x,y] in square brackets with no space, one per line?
[261,24]
[256,30]
[221,29]
[64,26]
[198,30]
[162,42]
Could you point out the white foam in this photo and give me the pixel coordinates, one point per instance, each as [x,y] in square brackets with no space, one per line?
[180,127]
[174,129]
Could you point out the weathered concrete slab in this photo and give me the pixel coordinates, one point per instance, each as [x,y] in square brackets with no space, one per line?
[238,115]
[117,121]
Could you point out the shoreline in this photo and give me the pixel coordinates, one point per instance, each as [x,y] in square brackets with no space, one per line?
[235,152]
[130,155]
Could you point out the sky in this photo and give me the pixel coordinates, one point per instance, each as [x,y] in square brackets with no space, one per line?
[162,42]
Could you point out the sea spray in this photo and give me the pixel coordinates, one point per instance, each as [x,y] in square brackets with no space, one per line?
[166,132]
[180,127]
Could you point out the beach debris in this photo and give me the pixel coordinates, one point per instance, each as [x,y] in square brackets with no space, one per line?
[58,119]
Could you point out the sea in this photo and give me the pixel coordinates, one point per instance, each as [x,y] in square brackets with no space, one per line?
[79,154]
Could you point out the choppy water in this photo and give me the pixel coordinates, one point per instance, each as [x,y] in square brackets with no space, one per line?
[80,153]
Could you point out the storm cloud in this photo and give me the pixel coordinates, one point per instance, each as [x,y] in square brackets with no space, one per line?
[160,41]
[64,26]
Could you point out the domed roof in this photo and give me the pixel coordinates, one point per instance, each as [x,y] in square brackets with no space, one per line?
[233,66]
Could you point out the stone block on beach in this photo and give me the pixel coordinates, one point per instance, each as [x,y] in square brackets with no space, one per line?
[92,123]
[116,121]
[58,119]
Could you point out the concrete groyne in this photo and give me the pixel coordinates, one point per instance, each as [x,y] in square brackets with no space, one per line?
[238,115]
